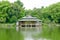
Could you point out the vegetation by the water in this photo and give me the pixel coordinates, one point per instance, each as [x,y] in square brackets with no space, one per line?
[10,34]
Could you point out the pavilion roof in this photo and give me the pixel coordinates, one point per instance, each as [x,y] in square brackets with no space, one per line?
[29,18]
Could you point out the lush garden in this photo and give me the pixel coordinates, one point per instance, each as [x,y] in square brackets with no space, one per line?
[10,13]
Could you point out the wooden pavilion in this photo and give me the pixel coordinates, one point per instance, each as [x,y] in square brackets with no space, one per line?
[28,22]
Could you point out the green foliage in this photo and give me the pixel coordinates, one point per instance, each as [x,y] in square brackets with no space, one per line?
[50,13]
[10,12]
[53,11]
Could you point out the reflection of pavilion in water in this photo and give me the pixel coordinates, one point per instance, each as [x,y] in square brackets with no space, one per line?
[28,22]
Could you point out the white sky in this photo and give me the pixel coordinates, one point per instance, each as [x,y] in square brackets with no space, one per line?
[30,4]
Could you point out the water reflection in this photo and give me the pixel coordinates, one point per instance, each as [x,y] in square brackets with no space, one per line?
[29,32]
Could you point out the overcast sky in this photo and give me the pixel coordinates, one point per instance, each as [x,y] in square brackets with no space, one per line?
[30,4]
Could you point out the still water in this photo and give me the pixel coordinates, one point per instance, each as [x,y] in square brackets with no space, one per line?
[30,32]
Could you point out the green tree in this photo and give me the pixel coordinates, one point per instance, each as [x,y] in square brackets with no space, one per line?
[9,11]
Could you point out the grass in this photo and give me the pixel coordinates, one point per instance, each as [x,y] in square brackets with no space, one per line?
[10,34]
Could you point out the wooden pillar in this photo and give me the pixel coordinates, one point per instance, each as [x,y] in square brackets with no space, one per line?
[31,26]
[25,27]
[36,27]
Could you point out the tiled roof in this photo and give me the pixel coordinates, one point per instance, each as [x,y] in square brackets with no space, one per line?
[29,18]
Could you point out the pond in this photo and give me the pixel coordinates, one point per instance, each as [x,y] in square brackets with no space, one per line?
[23,34]
[29,33]
[10,34]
